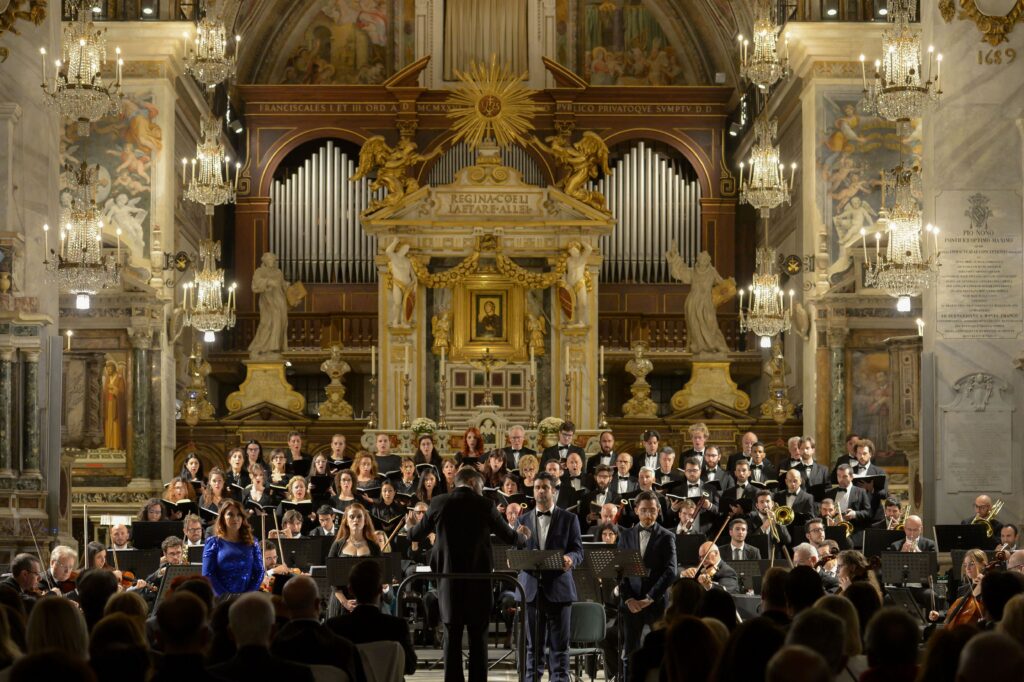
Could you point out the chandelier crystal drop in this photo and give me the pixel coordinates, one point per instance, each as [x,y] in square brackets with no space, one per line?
[79,265]
[903,271]
[767,313]
[765,65]
[77,90]
[204,307]
[765,186]
[206,56]
[902,87]
[210,182]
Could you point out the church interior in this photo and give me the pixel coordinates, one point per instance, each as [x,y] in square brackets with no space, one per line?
[296,224]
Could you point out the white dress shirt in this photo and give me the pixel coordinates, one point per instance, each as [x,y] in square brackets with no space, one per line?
[543,525]
[645,537]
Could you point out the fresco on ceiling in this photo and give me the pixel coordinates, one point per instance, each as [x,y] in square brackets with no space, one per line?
[621,43]
[852,150]
[348,41]
[127,149]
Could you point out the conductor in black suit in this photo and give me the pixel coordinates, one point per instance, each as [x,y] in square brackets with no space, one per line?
[463,521]
[642,600]
[551,528]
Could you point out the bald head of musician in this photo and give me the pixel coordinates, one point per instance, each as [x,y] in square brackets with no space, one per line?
[119,536]
[709,551]
[982,505]
[711,558]
[805,554]
[793,481]
[747,442]
[912,529]
[1015,562]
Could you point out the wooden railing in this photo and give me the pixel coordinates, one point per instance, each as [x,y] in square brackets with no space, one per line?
[664,331]
[307,331]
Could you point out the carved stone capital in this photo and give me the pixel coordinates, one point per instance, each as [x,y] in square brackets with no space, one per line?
[141,338]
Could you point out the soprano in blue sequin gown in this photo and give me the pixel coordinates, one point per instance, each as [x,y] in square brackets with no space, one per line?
[232,567]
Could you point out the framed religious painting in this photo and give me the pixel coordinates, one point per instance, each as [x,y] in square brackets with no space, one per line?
[869,395]
[488,312]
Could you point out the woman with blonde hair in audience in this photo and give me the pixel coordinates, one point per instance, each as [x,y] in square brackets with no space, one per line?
[129,603]
[57,624]
[856,662]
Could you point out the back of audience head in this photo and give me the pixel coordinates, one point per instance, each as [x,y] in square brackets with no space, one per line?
[252,620]
[95,587]
[866,601]
[52,664]
[718,604]
[748,650]
[796,663]
[843,609]
[365,582]
[57,624]
[15,625]
[997,588]
[1012,623]
[718,630]
[199,586]
[182,621]
[302,598]
[942,653]
[773,589]
[129,603]
[9,650]
[990,656]
[691,650]
[823,632]
[803,588]
[891,639]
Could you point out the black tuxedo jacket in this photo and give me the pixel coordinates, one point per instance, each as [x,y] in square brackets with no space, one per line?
[841,460]
[463,522]
[510,458]
[860,502]
[660,561]
[639,460]
[923,543]
[367,624]
[613,487]
[815,474]
[690,452]
[567,497]
[674,476]
[768,472]
[594,460]
[754,522]
[803,504]
[735,457]
[725,578]
[256,662]
[553,453]
[720,475]
[309,642]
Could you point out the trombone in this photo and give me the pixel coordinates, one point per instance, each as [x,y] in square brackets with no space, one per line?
[842,523]
[987,519]
[901,520]
[779,516]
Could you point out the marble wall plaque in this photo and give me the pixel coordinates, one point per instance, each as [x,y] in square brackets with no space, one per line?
[981,412]
[980,293]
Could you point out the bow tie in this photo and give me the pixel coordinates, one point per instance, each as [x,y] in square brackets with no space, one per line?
[644,530]
[563,448]
[757,466]
[693,485]
[540,513]
[515,452]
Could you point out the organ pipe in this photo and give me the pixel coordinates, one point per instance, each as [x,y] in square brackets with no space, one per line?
[314,220]
[654,199]
[460,156]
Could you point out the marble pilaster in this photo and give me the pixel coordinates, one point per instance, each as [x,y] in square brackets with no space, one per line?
[837,371]
[30,434]
[6,397]
[905,410]
[141,381]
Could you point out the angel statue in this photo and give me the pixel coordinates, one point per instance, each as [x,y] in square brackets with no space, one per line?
[573,288]
[580,163]
[391,164]
[702,333]
[402,281]
[441,326]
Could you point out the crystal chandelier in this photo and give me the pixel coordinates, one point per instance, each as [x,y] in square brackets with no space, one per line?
[205,308]
[765,186]
[77,90]
[208,185]
[902,88]
[767,313]
[765,66]
[206,55]
[903,272]
[79,265]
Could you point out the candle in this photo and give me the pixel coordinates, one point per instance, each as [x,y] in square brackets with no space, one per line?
[442,360]
[184,171]
[741,302]
[533,364]
[407,360]
[792,174]
[786,47]
[63,242]
[791,293]
[938,72]
[863,73]
[226,176]
[935,236]
[120,63]
[69,334]
[740,39]
[864,243]
[42,58]
[46,240]
[238,171]
[601,352]
[193,170]
[931,58]
[920,327]
[878,247]
[373,361]
[118,246]
[742,166]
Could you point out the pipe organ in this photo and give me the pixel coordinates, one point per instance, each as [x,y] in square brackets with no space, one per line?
[314,220]
[655,198]
[460,156]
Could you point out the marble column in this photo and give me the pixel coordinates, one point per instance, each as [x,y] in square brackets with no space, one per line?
[30,441]
[905,410]
[837,373]
[141,427]
[6,404]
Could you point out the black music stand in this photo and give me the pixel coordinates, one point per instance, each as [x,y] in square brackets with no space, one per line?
[141,562]
[195,554]
[304,552]
[535,562]
[900,568]
[963,536]
[838,533]
[688,549]
[170,575]
[904,598]
[340,567]
[747,569]
[878,540]
[149,534]
[618,564]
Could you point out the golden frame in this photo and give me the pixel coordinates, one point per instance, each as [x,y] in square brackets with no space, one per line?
[468,300]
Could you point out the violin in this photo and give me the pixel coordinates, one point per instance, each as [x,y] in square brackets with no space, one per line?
[70,584]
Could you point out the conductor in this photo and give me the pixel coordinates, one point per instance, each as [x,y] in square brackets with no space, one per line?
[463,521]
[551,528]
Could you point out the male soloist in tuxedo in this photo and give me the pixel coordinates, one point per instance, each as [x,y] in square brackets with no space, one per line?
[642,600]
[515,449]
[550,602]
[564,446]
[463,522]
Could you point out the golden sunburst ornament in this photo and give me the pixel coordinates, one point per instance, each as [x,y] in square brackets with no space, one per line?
[491,103]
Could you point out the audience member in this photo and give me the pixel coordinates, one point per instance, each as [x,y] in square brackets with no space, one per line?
[803,588]
[856,662]
[890,643]
[56,624]
[691,651]
[182,634]
[819,630]
[304,639]
[1012,623]
[748,650]
[866,600]
[15,624]
[773,596]
[718,604]
[222,645]
[684,598]
[52,665]
[990,656]
[997,588]
[797,663]
[95,587]
[718,630]
[9,651]
[251,618]
[129,603]
[24,578]
[117,649]
[942,653]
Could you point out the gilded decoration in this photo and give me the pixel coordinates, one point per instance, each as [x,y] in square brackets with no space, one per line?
[579,164]
[488,318]
[491,104]
[265,382]
[994,29]
[25,10]
[392,166]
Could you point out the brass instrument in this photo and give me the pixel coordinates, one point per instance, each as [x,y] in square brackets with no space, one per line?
[842,523]
[997,507]
[902,518]
[783,515]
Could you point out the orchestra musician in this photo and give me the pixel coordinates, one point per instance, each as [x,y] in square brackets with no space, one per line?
[685,525]
[119,537]
[737,548]
[713,573]
[814,529]
[1008,538]
[549,596]
[642,600]
[192,529]
[325,523]
[26,570]
[761,522]
[561,449]
[232,560]
[982,508]
[966,608]
[649,457]
[794,496]
[891,512]
[914,540]
[172,554]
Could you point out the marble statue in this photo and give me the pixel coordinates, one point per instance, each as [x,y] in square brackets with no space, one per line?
[573,289]
[403,284]
[335,406]
[703,335]
[271,337]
